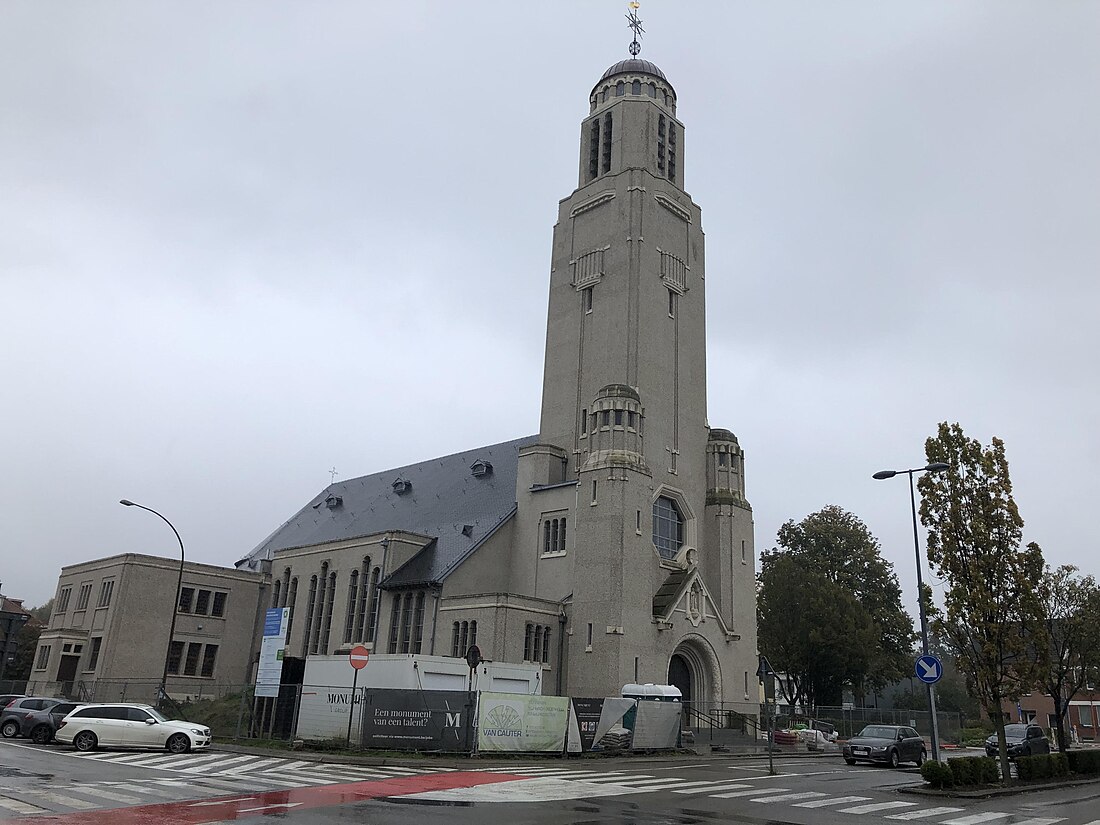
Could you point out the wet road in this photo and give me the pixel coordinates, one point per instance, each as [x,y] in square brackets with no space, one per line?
[121,788]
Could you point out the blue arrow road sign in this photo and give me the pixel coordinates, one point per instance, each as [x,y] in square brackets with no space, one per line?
[929,669]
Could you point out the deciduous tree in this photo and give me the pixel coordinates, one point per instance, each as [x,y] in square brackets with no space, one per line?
[992,611]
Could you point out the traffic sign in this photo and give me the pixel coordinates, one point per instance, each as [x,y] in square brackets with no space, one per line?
[358,656]
[929,669]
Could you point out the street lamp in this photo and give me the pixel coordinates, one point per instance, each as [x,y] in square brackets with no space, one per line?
[935,467]
[162,692]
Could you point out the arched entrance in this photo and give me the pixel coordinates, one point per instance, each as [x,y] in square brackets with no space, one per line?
[679,675]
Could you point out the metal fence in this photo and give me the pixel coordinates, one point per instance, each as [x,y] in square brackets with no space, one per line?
[848,721]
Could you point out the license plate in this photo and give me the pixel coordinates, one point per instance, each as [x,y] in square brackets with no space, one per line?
[861,751]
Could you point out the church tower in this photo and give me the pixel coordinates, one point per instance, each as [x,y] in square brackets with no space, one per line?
[635,505]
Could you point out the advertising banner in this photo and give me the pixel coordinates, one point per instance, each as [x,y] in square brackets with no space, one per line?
[591,719]
[424,720]
[520,723]
[269,673]
[656,726]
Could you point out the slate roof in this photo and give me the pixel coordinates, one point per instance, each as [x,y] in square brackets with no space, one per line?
[444,497]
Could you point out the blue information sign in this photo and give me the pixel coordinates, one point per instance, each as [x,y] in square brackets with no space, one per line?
[929,669]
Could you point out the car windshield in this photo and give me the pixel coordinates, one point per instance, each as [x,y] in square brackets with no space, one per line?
[156,715]
[1016,731]
[878,732]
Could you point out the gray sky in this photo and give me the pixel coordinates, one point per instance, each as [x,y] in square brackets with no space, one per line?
[242,243]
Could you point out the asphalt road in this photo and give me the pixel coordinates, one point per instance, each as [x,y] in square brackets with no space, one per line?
[51,784]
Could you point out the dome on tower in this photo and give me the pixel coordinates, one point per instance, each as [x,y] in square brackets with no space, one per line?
[634,65]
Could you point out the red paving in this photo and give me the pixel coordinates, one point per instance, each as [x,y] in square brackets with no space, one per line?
[231,808]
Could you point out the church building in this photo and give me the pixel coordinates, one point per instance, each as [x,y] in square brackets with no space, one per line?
[616,545]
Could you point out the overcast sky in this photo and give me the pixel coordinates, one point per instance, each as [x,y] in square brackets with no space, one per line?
[243,243]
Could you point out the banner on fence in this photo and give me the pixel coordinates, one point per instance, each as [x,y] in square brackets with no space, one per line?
[656,726]
[591,719]
[522,723]
[426,720]
[269,673]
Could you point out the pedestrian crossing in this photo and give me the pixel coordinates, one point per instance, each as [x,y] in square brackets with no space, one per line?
[754,790]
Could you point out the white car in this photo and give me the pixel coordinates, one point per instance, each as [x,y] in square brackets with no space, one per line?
[129,726]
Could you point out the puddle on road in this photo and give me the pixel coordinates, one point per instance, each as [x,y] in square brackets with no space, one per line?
[6,771]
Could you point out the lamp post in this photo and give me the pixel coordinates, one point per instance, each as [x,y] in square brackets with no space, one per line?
[935,467]
[161,691]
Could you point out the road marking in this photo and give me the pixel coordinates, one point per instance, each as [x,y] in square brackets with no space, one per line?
[729,786]
[974,819]
[18,807]
[924,814]
[269,807]
[615,780]
[153,790]
[1040,820]
[63,800]
[111,795]
[750,792]
[268,763]
[773,776]
[875,807]
[666,785]
[210,802]
[305,780]
[787,797]
[225,762]
[836,800]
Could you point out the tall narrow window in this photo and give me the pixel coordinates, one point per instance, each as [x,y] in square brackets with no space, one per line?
[593,492]
[661,135]
[63,600]
[586,295]
[175,656]
[353,595]
[473,633]
[537,652]
[418,623]
[105,592]
[202,603]
[331,596]
[584,422]
[217,608]
[395,622]
[291,598]
[311,609]
[319,610]
[594,148]
[209,657]
[82,599]
[454,639]
[589,635]
[464,638]
[286,587]
[671,304]
[191,663]
[668,527]
[546,645]
[607,135]
[672,152]
[636,87]
[372,611]
[554,536]
[618,418]
[276,592]
[528,642]
[546,536]
[620,88]
[635,670]
[406,622]
[561,537]
[364,599]
[652,90]
[743,556]
[93,659]
[187,595]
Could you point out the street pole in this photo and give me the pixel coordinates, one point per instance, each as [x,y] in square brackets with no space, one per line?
[934,467]
[161,690]
[924,623]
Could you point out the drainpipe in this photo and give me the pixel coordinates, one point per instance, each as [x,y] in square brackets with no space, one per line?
[561,645]
[435,617]
[378,602]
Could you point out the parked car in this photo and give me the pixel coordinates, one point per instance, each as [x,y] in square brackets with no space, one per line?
[1022,740]
[892,744]
[40,725]
[7,698]
[121,725]
[12,715]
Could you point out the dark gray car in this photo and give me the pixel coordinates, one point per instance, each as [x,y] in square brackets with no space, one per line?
[1022,740]
[892,744]
[11,719]
[40,725]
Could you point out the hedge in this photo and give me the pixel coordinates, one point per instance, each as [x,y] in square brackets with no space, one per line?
[1084,762]
[1052,765]
[937,774]
[974,770]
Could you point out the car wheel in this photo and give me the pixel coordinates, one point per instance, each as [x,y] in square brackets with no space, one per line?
[10,729]
[42,735]
[922,757]
[895,758]
[85,741]
[849,761]
[179,743]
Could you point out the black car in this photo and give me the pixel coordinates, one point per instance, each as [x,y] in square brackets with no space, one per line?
[892,744]
[1022,740]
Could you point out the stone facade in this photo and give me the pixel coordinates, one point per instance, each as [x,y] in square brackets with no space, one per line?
[111,619]
[617,545]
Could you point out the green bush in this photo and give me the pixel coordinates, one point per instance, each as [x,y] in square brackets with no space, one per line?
[973,770]
[1059,765]
[1084,762]
[937,774]
[1025,767]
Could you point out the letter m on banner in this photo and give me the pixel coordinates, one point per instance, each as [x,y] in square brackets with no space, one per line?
[454,720]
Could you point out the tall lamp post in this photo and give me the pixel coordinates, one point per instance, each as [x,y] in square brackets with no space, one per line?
[935,467]
[161,691]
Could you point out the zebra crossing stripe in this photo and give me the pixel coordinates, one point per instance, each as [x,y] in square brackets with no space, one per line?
[104,794]
[882,806]
[836,800]
[667,784]
[1040,820]
[251,766]
[789,797]
[165,791]
[750,792]
[15,806]
[721,786]
[975,819]
[64,800]
[927,812]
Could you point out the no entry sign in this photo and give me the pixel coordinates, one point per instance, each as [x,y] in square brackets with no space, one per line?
[358,656]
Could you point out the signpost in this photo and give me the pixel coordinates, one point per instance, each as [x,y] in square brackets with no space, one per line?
[358,657]
[767,677]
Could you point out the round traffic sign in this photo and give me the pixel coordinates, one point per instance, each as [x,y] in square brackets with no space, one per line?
[929,669]
[358,656]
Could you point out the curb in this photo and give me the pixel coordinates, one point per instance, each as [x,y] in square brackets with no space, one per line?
[990,793]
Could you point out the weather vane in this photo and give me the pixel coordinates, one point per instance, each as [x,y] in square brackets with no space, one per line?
[636,26]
